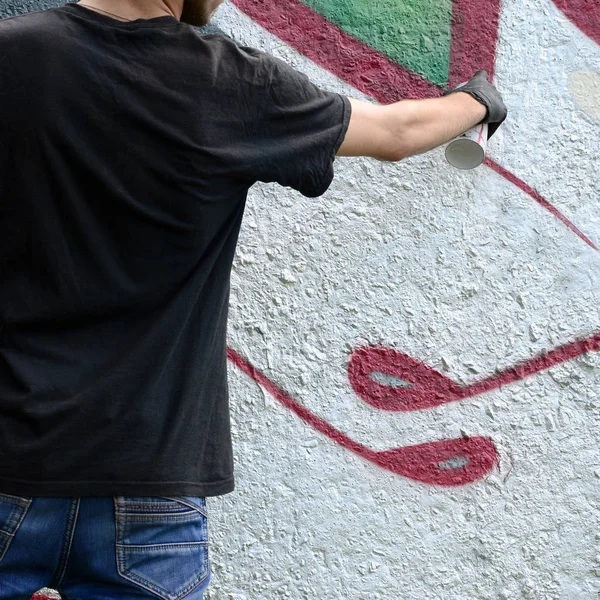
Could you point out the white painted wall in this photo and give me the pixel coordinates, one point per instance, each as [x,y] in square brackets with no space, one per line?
[464,272]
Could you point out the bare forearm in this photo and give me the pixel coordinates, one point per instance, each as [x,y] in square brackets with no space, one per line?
[394,131]
[421,125]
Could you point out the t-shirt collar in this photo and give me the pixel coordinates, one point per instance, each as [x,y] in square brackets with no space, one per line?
[93,15]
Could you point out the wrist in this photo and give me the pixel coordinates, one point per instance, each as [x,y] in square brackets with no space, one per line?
[480,110]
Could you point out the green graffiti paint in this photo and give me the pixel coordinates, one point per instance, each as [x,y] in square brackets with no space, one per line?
[414,33]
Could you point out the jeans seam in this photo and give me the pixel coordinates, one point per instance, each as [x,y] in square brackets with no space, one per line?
[159,546]
[24,505]
[141,508]
[191,505]
[65,551]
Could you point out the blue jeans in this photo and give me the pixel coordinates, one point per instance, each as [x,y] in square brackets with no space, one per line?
[104,548]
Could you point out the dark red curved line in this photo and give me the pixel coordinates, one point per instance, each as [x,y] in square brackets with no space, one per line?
[428,388]
[536,364]
[538,198]
[419,462]
[298,409]
[370,71]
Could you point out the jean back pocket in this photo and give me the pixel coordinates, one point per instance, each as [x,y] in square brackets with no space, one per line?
[162,543]
[12,512]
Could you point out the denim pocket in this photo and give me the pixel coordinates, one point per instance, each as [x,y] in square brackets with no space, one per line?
[12,512]
[162,543]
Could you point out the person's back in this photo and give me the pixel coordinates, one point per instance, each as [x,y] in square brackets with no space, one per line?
[127,151]
[130,152]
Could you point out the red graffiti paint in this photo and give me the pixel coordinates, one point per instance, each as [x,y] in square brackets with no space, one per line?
[426,388]
[432,462]
[474,32]
[538,198]
[474,39]
[337,51]
[585,14]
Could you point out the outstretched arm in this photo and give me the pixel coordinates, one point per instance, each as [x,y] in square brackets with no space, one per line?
[396,131]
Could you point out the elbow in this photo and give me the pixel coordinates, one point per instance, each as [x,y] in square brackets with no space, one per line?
[394,152]
[399,131]
[398,154]
[396,145]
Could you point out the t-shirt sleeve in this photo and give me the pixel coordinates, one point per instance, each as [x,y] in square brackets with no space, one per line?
[297,131]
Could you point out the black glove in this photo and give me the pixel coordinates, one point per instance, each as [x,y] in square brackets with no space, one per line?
[485,93]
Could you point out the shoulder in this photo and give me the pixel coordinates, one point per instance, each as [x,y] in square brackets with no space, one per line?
[222,43]
[29,22]
[249,67]
[228,49]
[31,31]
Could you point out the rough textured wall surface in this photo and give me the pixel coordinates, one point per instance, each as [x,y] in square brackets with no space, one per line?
[415,356]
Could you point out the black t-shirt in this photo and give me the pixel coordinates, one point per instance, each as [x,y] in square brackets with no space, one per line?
[126,153]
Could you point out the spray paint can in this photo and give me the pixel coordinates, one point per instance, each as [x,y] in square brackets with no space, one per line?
[467,151]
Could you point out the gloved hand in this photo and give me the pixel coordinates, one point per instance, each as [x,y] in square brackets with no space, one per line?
[485,93]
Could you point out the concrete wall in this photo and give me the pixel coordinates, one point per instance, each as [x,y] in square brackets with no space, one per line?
[414,365]
[448,280]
